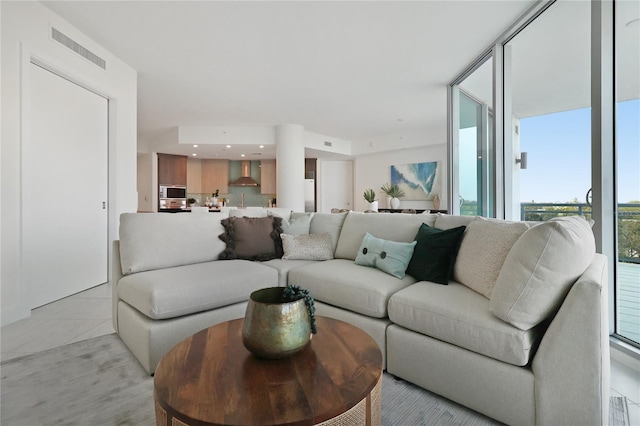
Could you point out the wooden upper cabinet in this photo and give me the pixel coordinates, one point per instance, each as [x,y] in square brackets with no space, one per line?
[215,175]
[172,169]
[268,177]
[194,176]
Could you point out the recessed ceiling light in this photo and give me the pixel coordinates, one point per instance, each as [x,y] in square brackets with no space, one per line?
[241,155]
[195,146]
[194,155]
[228,146]
[261,146]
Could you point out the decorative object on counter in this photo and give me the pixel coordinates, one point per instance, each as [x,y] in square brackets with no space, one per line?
[436,202]
[214,198]
[278,321]
[394,193]
[191,201]
[370,196]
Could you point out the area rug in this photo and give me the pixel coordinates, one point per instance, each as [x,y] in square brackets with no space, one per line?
[98,382]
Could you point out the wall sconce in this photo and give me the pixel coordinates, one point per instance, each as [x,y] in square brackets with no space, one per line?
[522,160]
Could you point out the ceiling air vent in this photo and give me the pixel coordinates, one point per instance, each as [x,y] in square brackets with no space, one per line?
[327,143]
[78,48]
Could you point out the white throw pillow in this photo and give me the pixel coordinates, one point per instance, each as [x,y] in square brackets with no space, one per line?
[307,247]
[483,250]
[540,270]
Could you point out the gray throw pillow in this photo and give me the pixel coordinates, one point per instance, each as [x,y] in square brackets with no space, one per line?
[252,238]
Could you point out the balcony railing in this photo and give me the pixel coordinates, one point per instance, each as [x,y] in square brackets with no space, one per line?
[628,268]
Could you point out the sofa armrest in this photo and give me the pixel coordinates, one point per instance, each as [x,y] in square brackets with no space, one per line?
[571,367]
[116,274]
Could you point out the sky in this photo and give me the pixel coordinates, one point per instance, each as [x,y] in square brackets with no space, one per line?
[558,147]
[558,150]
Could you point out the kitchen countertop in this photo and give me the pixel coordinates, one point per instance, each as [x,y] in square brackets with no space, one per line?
[187,210]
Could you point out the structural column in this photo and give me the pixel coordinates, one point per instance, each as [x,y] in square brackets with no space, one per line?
[290,166]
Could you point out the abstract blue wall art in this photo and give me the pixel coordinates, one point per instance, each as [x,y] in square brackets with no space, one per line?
[419,181]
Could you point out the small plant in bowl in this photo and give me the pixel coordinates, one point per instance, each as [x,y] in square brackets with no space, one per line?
[393,191]
[369,195]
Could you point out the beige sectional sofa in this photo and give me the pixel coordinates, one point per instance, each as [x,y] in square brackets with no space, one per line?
[519,333]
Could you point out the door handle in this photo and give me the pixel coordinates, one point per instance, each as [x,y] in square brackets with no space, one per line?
[104,205]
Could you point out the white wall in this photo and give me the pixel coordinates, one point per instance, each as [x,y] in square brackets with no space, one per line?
[334,183]
[147,186]
[25,34]
[374,170]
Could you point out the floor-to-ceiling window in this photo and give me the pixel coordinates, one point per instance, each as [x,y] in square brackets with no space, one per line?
[474,179]
[548,73]
[627,38]
[558,135]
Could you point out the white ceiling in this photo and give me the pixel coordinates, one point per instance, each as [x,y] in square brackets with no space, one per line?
[372,73]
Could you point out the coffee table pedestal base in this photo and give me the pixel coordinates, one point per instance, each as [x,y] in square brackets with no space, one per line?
[365,413]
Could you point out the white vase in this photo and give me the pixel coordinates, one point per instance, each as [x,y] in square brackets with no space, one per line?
[395,203]
[388,201]
[436,202]
[373,206]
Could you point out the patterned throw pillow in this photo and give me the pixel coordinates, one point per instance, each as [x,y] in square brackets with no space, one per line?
[391,257]
[307,246]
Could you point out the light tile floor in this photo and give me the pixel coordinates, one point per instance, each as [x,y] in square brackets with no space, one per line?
[88,314]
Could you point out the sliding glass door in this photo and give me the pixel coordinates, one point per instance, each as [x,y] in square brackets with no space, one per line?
[627,38]
[474,179]
[552,80]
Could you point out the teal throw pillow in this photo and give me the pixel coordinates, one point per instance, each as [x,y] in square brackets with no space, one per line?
[391,257]
[435,253]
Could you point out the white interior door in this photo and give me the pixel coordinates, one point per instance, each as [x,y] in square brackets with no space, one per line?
[64,210]
[335,186]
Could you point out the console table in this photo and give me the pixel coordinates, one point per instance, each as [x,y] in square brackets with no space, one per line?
[418,211]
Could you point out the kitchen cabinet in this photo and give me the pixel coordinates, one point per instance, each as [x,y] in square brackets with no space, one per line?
[194,176]
[215,175]
[172,169]
[268,177]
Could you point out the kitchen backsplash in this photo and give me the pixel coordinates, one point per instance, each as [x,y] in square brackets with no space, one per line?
[252,197]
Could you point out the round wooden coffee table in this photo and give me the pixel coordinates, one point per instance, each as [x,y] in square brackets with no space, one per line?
[211,379]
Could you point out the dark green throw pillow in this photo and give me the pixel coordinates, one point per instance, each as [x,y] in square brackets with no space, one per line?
[435,253]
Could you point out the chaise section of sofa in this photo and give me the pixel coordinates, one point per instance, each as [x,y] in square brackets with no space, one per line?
[173,283]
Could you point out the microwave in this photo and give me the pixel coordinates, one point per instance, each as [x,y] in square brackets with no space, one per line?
[173,191]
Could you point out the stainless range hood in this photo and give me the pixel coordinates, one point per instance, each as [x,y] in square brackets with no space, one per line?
[245,179]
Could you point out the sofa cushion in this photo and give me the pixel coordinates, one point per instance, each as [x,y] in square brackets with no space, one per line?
[330,223]
[162,240]
[252,238]
[260,212]
[391,257]
[540,269]
[166,293]
[298,223]
[460,316]
[307,247]
[342,283]
[284,266]
[248,212]
[447,221]
[435,253]
[388,226]
[484,248]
